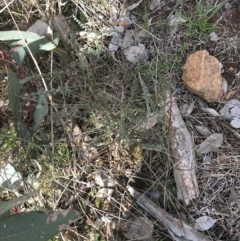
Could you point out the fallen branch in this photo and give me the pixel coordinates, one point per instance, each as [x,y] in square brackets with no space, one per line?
[183,153]
[178,229]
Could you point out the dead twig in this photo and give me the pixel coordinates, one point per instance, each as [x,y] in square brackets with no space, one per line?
[183,153]
[178,229]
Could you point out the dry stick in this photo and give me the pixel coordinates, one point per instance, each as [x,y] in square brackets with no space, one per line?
[235,197]
[178,229]
[6,4]
[50,94]
[182,149]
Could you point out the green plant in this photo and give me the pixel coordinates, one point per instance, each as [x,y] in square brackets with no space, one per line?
[191,222]
[199,21]
[98,237]
[184,48]
[62,154]
[21,43]
[198,153]
[37,225]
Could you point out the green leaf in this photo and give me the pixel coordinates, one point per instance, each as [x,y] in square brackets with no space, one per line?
[16,35]
[25,133]
[18,43]
[42,44]
[47,151]
[6,205]
[18,54]
[215,10]
[35,226]
[51,45]
[14,95]
[3,74]
[25,80]
[40,111]
[35,43]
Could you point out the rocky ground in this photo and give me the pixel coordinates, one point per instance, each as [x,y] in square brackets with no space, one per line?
[141,134]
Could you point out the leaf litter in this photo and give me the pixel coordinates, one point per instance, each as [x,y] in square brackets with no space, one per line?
[131,40]
[204,223]
[203,130]
[212,143]
[140,228]
[186,109]
[211,111]
[174,20]
[102,179]
[231,111]
[155,4]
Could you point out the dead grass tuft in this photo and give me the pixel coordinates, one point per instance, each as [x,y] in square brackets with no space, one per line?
[101,105]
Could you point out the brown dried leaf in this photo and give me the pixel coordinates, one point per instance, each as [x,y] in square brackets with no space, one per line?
[41,28]
[230,94]
[212,143]
[102,179]
[150,121]
[155,4]
[133,6]
[211,111]
[135,53]
[204,223]
[190,108]
[140,228]
[76,135]
[224,159]
[203,130]
[224,85]
[128,39]
[60,25]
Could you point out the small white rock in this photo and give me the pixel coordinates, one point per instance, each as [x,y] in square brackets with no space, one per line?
[104,193]
[102,179]
[213,37]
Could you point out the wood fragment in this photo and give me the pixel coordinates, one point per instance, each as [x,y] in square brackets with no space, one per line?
[235,197]
[178,229]
[182,149]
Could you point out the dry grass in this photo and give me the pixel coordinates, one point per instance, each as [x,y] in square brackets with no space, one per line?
[100,105]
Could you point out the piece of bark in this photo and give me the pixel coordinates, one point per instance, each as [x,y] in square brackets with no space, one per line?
[235,197]
[178,229]
[182,149]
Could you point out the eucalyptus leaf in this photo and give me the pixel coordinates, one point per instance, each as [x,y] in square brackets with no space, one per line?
[211,111]
[204,223]
[18,43]
[25,80]
[51,45]
[36,225]
[16,35]
[42,44]
[211,143]
[41,110]
[25,133]
[6,205]
[47,151]
[140,228]
[203,130]
[14,95]
[18,54]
